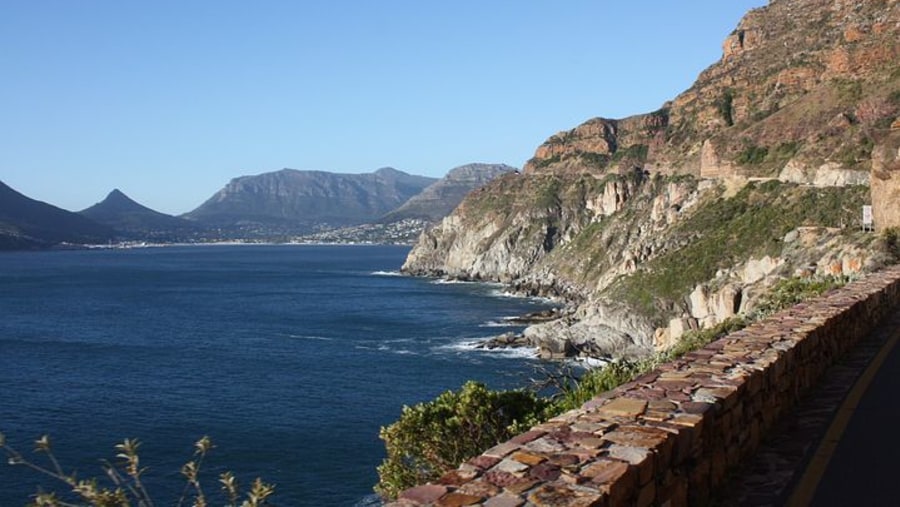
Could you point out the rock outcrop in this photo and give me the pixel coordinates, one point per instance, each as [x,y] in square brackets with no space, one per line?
[886,182]
[677,219]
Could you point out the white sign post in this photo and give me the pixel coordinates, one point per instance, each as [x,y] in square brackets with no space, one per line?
[867,218]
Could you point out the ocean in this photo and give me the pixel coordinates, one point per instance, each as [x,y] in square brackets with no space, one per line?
[290,358]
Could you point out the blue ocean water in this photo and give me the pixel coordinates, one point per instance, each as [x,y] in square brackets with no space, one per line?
[289,357]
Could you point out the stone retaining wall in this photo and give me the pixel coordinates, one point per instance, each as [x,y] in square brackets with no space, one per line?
[669,437]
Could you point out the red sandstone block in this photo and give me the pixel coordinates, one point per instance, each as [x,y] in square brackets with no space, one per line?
[528,436]
[457,500]
[504,501]
[423,495]
[481,489]
[552,495]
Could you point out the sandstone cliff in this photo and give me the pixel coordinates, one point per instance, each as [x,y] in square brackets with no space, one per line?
[680,218]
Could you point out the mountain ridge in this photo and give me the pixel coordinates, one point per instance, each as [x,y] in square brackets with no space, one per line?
[295,201]
[680,218]
[27,223]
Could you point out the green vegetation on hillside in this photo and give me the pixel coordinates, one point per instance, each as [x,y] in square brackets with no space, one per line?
[728,231]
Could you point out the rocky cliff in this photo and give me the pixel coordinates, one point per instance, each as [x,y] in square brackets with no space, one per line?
[680,218]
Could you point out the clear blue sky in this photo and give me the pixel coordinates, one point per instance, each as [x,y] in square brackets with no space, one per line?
[168,100]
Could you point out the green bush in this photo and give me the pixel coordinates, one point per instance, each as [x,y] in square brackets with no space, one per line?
[890,239]
[790,291]
[725,106]
[752,155]
[434,437]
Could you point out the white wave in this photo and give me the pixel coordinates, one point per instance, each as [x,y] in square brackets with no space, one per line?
[386,273]
[504,323]
[445,281]
[591,362]
[473,346]
[370,501]
[311,337]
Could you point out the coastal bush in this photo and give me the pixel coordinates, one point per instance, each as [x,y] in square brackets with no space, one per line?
[124,485]
[434,437]
[790,291]
[890,239]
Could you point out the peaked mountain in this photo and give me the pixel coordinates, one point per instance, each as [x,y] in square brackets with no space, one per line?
[26,224]
[125,215]
[293,201]
[444,195]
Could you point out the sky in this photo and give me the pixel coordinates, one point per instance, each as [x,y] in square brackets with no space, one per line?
[168,100]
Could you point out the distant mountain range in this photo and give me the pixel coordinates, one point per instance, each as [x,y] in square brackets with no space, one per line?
[29,224]
[275,206]
[296,202]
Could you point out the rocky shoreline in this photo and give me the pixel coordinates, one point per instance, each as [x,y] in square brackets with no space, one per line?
[548,349]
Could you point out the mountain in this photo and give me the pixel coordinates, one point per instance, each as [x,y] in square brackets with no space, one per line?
[683,217]
[27,224]
[441,197]
[134,220]
[291,201]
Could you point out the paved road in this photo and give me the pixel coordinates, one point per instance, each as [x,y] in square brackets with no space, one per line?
[864,466]
[841,444]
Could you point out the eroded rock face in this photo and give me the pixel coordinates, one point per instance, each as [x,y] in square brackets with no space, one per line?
[886,182]
[829,174]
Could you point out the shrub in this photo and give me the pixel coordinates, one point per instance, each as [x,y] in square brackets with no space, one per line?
[434,437]
[790,291]
[890,240]
[725,106]
[752,155]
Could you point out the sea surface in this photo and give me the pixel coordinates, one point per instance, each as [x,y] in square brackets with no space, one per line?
[290,358]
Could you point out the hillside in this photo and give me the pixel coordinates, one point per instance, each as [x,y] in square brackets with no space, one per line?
[680,218]
[27,224]
[134,220]
[441,197]
[297,202]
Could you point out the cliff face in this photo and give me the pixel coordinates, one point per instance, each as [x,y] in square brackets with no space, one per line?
[803,90]
[661,222]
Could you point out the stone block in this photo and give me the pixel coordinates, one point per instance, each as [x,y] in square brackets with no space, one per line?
[623,407]
[551,495]
[456,499]
[423,495]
